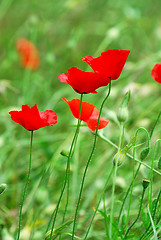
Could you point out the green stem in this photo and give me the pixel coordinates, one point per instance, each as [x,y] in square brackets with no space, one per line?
[134,175]
[151,231]
[67,171]
[137,215]
[88,162]
[151,172]
[155,125]
[97,206]
[114,181]
[127,154]
[24,192]
[105,217]
[127,193]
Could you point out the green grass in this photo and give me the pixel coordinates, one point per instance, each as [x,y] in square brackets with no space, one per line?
[65,31]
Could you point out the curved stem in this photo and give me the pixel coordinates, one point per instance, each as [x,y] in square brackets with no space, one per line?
[97,206]
[114,181]
[88,162]
[137,215]
[67,172]
[24,192]
[134,175]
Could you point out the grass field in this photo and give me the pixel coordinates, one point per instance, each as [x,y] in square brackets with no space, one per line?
[63,32]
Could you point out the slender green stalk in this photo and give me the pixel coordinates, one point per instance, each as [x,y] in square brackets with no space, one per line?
[137,215]
[155,125]
[105,217]
[67,171]
[88,162]
[24,192]
[134,175]
[155,208]
[97,206]
[151,172]
[127,154]
[127,193]
[114,180]
[153,225]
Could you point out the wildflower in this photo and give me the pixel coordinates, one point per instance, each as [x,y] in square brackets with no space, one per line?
[110,62]
[156,72]
[32,119]
[28,53]
[84,82]
[89,113]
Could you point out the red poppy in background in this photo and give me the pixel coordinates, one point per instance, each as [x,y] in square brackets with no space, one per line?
[32,119]
[110,62]
[89,113]
[84,82]
[156,72]
[28,53]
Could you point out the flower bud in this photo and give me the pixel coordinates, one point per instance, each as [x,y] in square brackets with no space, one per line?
[64,153]
[144,153]
[146,182]
[122,113]
[119,158]
[3,187]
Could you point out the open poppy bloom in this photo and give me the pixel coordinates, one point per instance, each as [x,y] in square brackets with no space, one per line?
[84,82]
[89,113]
[110,62]
[156,72]
[28,53]
[32,119]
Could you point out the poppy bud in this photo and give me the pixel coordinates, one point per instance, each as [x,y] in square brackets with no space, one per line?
[122,113]
[2,187]
[119,158]
[64,153]
[146,182]
[144,153]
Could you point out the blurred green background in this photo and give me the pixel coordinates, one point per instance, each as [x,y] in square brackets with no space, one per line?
[63,32]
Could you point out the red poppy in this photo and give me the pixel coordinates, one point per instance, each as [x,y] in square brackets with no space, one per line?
[32,119]
[110,62]
[29,54]
[84,82]
[89,113]
[156,72]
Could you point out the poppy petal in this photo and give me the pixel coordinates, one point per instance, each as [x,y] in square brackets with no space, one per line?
[86,109]
[156,72]
[28,53]
[84,82]
[32,119]
[92,123]
[49,117]
[110,62]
